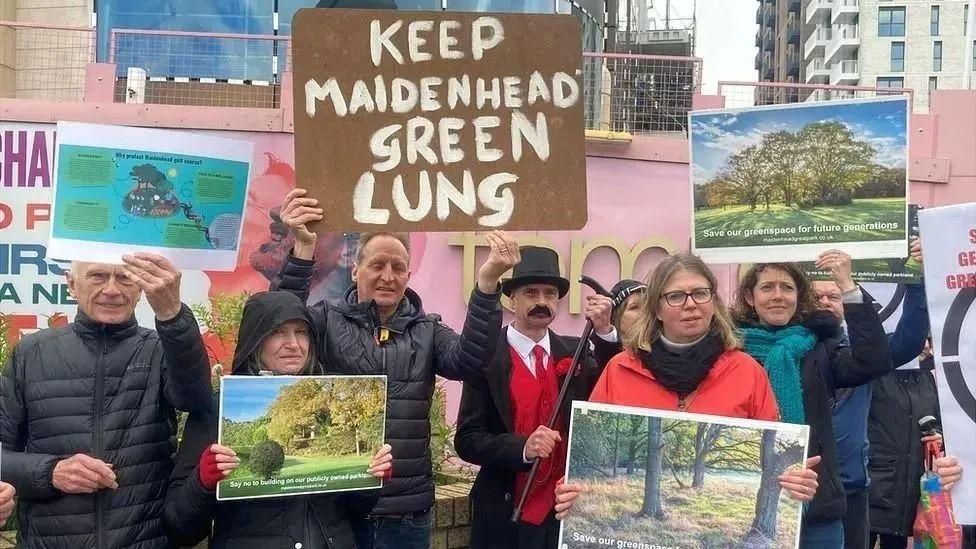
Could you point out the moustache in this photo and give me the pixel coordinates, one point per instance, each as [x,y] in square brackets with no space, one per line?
[540,310]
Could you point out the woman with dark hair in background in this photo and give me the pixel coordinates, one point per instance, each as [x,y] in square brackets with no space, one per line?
[807,355]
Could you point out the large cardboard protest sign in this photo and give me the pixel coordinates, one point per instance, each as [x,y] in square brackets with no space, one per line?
[668,479]
[787,182]
[950,285]
[300,434]
[440,121]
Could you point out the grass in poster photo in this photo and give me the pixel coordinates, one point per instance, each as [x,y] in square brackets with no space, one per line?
[675,483]
[296,435]
[830,172]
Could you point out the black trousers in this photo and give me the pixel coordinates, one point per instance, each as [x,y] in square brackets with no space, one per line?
[856,523]
[543,536]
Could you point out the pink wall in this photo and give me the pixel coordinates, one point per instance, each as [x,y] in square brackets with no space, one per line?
[638,194]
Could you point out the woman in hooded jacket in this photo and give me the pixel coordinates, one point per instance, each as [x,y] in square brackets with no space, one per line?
[275,338]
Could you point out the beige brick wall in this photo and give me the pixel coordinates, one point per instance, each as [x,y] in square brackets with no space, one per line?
[452,517]
[47,64]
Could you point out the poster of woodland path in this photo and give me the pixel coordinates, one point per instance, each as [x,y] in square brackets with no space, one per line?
[680,480]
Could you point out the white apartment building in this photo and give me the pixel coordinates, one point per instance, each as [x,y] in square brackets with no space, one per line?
[918,44]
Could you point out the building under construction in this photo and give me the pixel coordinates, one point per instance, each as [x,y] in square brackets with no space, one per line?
[652,94]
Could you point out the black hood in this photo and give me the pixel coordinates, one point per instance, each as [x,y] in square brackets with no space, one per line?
[263,313]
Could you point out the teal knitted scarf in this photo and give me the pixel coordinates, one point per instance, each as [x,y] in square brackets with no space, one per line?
[781,353]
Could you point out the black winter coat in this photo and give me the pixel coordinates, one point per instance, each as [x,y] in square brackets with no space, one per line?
[315,522]
[109,392]
[486,437]
[419,347]
[833,364]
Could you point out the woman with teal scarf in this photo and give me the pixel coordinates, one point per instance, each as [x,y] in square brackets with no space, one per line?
[807,356]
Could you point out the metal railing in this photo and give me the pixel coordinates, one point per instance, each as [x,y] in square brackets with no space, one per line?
[45,61]
[746,94]
[199,68]
[640,94]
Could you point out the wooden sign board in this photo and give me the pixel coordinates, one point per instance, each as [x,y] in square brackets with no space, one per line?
[440,121]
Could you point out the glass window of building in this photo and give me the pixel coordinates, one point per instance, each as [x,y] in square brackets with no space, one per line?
[897,57]
[891,21]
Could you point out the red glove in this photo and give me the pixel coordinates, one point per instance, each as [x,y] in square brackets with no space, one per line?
[209,474]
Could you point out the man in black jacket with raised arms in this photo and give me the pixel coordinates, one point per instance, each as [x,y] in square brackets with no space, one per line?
[88,411]
[380,327]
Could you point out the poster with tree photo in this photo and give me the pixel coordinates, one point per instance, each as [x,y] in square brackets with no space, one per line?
[787,182]
[300,434]
[670,479]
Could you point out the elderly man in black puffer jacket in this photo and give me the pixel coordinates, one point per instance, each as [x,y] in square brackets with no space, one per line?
[380,327]
[87,414]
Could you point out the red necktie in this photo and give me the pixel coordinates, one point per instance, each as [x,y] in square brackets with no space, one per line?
[540,365]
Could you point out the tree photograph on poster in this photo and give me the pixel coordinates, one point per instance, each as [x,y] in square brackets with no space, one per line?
[800,174]
[301,434]
[672,482]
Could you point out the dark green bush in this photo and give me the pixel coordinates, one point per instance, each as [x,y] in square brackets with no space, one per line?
[267,458]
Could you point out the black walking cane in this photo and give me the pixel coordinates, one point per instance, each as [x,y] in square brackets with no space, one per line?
[563,391]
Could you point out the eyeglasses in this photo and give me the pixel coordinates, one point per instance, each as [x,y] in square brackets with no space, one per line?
[698,295]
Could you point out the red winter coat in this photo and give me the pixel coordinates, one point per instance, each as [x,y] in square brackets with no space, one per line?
[736,386]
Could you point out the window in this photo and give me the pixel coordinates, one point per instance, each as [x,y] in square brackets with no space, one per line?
[897,57]
[937,56]
[891,21]
[965,19]
[890,82]
[934,21]
[933,83]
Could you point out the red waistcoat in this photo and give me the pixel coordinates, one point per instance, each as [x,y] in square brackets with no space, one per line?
[533,401]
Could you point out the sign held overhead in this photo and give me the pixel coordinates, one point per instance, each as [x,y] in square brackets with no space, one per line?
[437,121]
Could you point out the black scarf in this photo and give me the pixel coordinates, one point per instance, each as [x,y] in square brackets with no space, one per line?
[682,371]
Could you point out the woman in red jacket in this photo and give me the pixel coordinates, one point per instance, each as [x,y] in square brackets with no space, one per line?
[683,355]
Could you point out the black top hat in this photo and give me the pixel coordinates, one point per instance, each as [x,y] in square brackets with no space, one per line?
[538,266]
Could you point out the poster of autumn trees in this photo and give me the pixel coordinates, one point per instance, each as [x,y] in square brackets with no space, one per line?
[300,434]
[669,479]
[786,182]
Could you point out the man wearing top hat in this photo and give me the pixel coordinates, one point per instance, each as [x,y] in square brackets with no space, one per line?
[502,420]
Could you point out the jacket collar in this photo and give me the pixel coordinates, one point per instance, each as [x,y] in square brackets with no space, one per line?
[364,313]
[84,326]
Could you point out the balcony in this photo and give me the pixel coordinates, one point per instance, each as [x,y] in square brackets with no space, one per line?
[764,39]
[817,71]
[818,40]
[792,30]
[844,11]
[793,65]
[764,62]
[844,40]
[817,11]
[845,72]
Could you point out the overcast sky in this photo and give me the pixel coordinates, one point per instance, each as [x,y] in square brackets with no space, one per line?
[725,39]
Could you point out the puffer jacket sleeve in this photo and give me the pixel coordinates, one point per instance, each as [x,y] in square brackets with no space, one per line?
[467,356]
[189,507]
[295,277]
[29,473]
[475,442]
[186,366]
[867,357]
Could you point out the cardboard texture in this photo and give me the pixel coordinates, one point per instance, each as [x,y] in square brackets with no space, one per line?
[440,121]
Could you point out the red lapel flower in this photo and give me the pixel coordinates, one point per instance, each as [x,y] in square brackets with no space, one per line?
[562,367]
